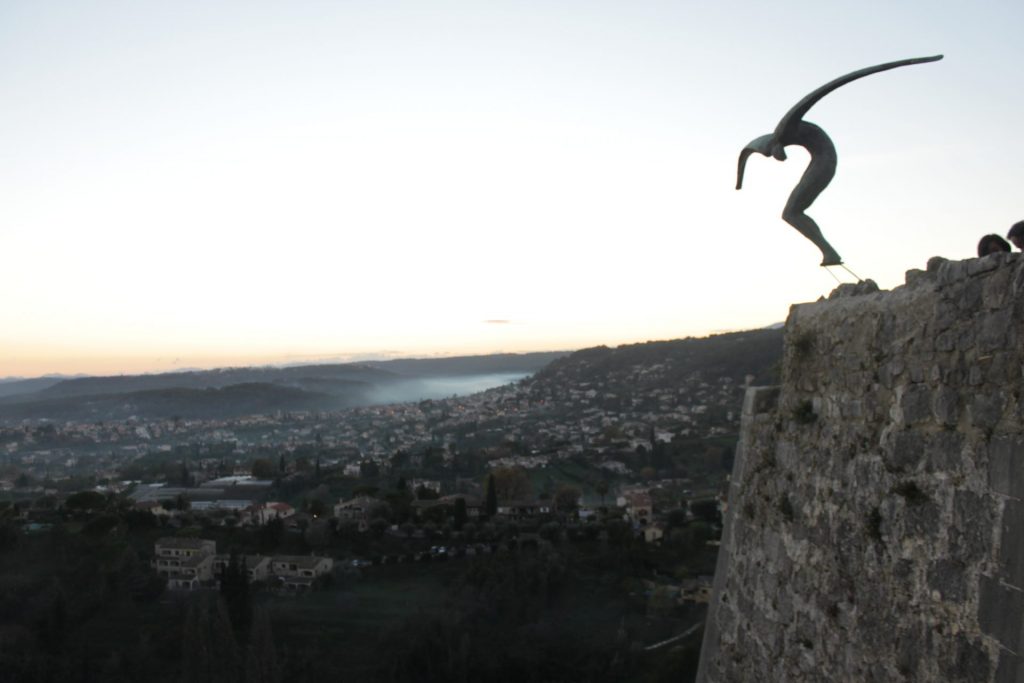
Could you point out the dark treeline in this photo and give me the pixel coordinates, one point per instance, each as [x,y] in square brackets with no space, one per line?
[561,602]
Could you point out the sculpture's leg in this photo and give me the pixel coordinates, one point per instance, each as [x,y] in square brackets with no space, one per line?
[815,179]
[809,229]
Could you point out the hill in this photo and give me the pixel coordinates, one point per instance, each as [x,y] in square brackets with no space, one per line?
[231,392]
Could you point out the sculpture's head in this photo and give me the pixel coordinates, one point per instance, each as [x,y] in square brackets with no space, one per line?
[765,145]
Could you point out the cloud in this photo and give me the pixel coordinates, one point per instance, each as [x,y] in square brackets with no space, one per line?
[497,322]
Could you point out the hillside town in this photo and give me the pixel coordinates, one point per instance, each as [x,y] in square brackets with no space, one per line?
[605,420]
[592,489]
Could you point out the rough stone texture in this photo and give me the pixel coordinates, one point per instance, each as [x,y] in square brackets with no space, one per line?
[875,529]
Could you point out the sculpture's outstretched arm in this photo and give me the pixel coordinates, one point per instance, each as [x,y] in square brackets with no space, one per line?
[761,145]
[787,126]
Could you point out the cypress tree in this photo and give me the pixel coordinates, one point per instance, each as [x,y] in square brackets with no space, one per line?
[492,497]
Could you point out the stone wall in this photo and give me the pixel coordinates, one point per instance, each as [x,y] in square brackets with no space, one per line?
[875,529]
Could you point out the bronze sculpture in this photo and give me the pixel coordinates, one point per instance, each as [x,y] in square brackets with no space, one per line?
[793,130]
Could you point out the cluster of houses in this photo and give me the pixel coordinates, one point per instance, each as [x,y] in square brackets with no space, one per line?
[243,498]
[193,563]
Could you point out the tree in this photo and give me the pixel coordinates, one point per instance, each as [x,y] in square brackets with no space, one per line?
[567,499]
[367,490]
[86,501]
[263,468]
[234,589]
[512,483]
[400,501]
[378,526]
[677,518]
[209,649]
[460,513]
[316,507]
[271,534]
[423,493]
[261,661]
[54,628]
[491,504]
[602,489]
[706,510]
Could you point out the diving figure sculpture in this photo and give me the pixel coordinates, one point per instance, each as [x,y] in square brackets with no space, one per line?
[793,130]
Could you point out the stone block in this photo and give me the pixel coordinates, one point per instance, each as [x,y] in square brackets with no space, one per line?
[986,409]
[997,290]
[1000,610]
[968,662]
[976,266]
[970,537]
[908,652]
[945,341]
[1006,465]
[950,272]
[915,277]
[1010,670]
[995,326]
[966,341]
[944,452]
[1011,544]
[852,410]
[944,316]
[916,404]
[969,300]
[851,289]
[947,577]
[905,452]
[761,400]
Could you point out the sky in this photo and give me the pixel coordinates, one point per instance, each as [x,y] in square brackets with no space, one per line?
[198,184]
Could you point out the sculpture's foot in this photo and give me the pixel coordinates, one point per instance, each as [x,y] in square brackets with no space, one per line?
[832,260]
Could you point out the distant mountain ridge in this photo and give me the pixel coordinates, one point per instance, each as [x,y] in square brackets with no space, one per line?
[230,392]
[214,379]
[233,392]
[13,386]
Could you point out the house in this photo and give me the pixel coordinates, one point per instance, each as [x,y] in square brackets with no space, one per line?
[187,563]
[173,547]
[272,510]
[295,584]
[474,507]
[429,484]
[522,509]
[257,567]
[357,510]
[298,572]
[638,508]
[236,506]
[696,590]
[654,532]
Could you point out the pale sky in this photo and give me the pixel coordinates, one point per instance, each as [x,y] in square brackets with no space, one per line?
[194,184]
